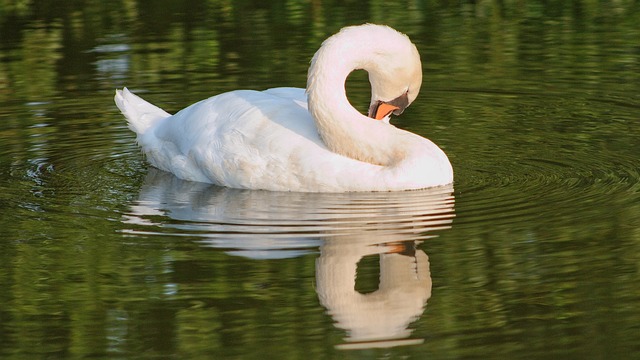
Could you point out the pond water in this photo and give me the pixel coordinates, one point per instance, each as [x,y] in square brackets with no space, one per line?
[534,252]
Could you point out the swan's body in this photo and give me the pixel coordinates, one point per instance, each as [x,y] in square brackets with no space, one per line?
[286,139]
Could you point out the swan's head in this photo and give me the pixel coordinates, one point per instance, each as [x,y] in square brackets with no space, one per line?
[395,71]
[390,58]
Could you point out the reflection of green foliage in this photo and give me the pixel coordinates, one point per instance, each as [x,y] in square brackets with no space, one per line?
[505,82]
[35,75]
[17,7]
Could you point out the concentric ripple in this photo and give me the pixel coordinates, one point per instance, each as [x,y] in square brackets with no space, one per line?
[544,161]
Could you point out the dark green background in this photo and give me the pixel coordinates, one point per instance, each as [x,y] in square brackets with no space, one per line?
[535,102]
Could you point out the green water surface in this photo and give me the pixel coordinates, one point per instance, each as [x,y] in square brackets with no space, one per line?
[534,252]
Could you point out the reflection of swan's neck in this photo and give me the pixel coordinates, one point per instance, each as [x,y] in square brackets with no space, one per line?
[405,286]
[343,129]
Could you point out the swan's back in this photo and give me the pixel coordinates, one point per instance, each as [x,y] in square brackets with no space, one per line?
[242,139]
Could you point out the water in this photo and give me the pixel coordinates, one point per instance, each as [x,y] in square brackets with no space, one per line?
[533,253]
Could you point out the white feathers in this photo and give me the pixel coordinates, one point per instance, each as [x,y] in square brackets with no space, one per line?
[140,114]
[280,140]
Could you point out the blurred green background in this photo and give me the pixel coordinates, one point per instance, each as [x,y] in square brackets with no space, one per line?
[535,102]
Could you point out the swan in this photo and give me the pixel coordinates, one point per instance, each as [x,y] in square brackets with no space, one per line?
[292,139]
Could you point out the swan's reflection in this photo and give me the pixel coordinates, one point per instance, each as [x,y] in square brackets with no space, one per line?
[380,318]
[345,226]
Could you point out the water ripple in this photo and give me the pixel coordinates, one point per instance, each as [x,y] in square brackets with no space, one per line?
[245,219]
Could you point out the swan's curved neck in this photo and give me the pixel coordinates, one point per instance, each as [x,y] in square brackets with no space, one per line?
[343,129]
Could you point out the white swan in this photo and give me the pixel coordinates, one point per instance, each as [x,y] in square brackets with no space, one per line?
[284,139]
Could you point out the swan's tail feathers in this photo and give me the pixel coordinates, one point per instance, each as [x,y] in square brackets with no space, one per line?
[140,114]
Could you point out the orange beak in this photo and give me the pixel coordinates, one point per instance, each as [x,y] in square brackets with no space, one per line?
[383,110]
